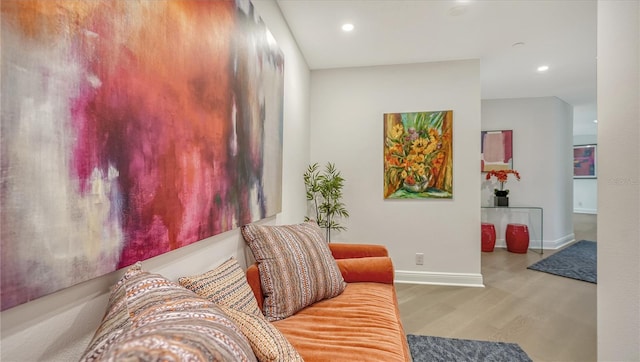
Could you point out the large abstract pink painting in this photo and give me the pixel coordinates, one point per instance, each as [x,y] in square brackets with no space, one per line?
[130,129]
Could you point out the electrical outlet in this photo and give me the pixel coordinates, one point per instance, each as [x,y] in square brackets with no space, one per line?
[419,258]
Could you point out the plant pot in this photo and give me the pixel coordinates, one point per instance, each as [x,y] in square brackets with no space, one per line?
[500,201]
[501,193]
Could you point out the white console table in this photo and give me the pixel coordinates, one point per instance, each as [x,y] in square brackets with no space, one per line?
[532,216]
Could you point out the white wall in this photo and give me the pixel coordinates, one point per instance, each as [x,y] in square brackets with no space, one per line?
[619,181]
[59,326]
[297,78]
[585,190]
[347,107]
[585,195]
[542,154]
[582,139]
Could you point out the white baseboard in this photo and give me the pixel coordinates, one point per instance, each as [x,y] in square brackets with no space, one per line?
[467,280]
[558,243]
[453,279]
[585,211]
[546,244]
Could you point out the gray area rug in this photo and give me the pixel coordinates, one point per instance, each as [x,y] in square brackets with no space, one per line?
[436,349]
[578,261]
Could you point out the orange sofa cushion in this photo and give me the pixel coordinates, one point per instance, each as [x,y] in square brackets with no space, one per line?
[360,324]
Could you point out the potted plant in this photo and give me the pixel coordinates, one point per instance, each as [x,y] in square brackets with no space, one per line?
[324,192]
[501,195]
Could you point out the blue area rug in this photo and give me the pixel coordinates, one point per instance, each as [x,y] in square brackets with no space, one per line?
[578,261]
[436,349]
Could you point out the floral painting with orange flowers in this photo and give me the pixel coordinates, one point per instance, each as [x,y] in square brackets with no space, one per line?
[418,155]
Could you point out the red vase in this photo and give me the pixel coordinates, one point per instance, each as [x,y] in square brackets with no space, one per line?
[488,237]
[517,236]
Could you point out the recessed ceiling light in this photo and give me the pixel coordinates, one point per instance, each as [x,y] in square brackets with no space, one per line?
[595,121]
[347,27]
[543,68]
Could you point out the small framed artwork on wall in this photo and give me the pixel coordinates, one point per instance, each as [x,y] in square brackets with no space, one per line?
[496,150]
[584,161]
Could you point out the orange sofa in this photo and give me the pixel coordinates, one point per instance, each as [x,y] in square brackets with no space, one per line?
[361,324]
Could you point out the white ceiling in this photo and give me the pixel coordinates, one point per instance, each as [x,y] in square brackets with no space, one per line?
[560,34]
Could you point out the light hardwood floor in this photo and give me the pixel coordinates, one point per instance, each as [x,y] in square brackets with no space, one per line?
[552,318]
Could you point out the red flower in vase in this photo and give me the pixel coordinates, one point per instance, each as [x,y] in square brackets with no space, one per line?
[502,176]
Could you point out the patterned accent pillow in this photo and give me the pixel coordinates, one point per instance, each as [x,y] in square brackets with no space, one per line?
[225,285]
[296,267]
[152,318]
[267,342]
[116,319]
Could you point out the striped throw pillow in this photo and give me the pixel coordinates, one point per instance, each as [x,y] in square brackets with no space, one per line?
[225,285]
[116,319]
[153,318]
[296,267]
[267,342]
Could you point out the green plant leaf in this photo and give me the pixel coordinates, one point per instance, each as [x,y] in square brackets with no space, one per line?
[324,191]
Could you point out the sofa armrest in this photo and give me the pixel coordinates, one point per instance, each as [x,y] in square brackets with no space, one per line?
[378,269]
[345,251]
